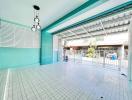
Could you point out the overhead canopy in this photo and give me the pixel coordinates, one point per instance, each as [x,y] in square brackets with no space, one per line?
[101,7]
[116,23]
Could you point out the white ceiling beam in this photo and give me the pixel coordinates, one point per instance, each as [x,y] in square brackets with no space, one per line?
[103,27]
[74,33]
[86,30]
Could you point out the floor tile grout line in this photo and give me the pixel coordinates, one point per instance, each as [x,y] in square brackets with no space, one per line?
[6,85]
[19,84]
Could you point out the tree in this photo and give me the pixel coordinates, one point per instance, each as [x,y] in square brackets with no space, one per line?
[91,50]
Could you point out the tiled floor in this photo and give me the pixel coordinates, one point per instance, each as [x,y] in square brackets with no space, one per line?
[66,81]
[3,74]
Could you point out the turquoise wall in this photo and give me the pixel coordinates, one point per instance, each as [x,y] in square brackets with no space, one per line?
[17,57]
[46,48]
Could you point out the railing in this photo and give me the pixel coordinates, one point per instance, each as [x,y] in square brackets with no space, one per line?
[121,65]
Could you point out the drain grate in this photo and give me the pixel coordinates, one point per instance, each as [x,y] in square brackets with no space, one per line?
[124,74]
[101,97]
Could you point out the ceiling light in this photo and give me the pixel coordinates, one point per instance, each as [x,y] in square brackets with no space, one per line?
[33,28]
[36,25]
[36,19]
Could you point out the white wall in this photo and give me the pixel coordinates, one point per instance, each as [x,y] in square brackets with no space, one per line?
[17,36]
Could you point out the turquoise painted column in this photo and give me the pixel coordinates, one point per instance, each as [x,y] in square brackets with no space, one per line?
[46,55]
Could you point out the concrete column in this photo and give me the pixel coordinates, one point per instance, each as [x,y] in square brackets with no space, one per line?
[60,50]
[122,52]
[130,53]
[55,48]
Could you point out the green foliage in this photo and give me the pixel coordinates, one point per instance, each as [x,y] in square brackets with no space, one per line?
[91,50]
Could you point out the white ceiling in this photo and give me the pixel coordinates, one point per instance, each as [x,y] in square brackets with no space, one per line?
[21,11]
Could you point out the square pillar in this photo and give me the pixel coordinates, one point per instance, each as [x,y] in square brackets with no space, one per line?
[46,51]
[122,52]
[130,53]
[55,48]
